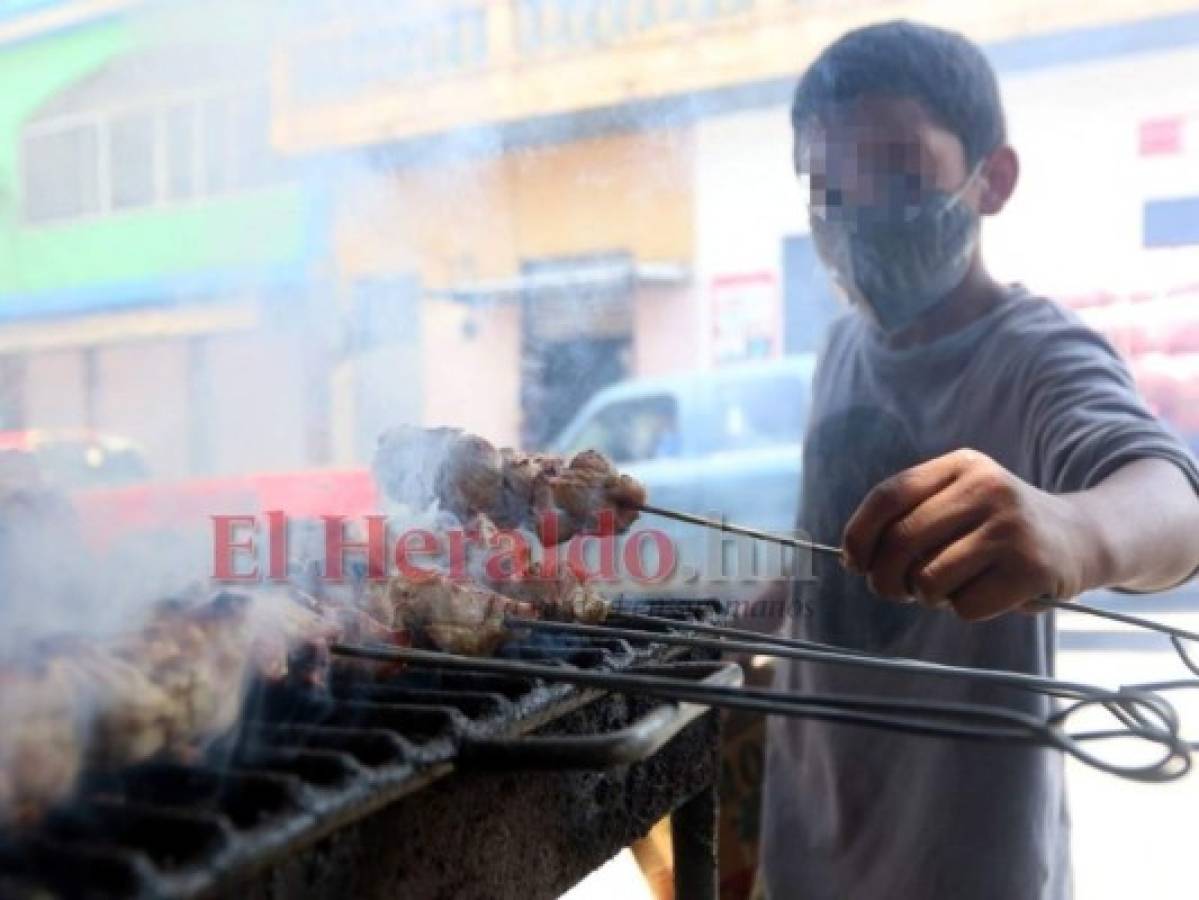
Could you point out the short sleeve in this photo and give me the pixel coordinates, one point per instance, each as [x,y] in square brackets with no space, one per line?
[1084,416]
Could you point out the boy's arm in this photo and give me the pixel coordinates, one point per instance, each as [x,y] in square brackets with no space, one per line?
[961,529]
[1146,515]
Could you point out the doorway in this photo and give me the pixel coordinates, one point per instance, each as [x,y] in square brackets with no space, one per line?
[576,338]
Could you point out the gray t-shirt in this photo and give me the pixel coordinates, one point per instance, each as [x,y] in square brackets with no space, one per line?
[864,814]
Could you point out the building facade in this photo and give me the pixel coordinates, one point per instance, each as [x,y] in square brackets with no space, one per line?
[587,191]
[252,240]
[158,259]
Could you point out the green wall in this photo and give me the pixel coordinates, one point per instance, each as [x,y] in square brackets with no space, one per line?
[258,230]
[238,233]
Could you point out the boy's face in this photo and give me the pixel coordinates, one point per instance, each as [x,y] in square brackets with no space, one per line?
[894,205]
[881,153]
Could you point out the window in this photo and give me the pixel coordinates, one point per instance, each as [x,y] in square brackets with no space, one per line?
[391,51]
[1171,223]
[216,145]
[760,412]
[12,392]
[131,141]
[180,156]
[633,430]
[62,173]
[252,157]
[555,25]
[188,150]
[85,464]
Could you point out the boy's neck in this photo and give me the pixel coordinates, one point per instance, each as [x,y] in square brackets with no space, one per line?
[976,296]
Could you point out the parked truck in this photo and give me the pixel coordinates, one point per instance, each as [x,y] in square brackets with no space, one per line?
[723,442]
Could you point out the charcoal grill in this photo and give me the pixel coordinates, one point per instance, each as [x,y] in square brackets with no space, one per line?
[427,784]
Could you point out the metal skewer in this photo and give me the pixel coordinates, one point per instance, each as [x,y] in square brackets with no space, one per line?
[924,717]
[785,540]
[731,640]
[1178,636]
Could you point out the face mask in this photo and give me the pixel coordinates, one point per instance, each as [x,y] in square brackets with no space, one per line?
[896,262]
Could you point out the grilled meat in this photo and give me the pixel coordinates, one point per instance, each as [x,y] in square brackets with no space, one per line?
[41,746]
[527,488]
[469,619]
[470,478]
[589,486]
[168,688]
[456,617]
[128,716]
[555,497]
[561,596]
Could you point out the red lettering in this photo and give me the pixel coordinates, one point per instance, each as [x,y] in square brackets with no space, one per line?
[512,560]
[635,565]
[336,546]
[224,546]
[547,531]
[427,547]
[605,536]
[276,524]
[458,541]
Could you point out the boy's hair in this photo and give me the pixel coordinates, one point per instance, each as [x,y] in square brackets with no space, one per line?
[945,72]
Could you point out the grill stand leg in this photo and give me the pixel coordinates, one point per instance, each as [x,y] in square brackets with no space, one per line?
[693,833]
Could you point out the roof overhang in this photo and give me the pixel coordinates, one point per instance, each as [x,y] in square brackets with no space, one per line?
[583,277]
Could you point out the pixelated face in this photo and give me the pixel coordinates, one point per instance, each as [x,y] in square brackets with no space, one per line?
[879,154]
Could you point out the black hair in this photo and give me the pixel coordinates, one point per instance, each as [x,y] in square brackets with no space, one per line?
[945,72]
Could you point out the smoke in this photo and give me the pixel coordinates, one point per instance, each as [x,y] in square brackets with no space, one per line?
[301,293]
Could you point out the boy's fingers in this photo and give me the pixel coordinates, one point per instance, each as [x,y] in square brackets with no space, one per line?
[891,500]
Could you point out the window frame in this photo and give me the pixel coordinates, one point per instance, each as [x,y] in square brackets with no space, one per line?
[233,94]
[593,414]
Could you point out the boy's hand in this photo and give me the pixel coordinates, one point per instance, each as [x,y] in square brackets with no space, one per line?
[962,530]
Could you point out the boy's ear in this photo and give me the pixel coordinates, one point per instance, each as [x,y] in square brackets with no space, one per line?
[999,176]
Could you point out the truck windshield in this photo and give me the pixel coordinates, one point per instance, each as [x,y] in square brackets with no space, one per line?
[633,430]
[759,412]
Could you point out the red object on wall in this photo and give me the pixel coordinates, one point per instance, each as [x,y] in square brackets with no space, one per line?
[747,314]
[113,514]
[1161,137]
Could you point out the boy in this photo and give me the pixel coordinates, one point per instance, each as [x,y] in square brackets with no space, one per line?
[972,447]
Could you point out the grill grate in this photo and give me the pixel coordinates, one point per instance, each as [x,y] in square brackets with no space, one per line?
[301,766]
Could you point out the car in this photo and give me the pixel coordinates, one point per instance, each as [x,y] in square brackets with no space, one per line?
[725,442]
[77,459]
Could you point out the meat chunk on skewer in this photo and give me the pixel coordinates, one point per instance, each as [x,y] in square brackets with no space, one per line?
[129,716]
[556,497]
[175,683]
[41,747]
[456,617]
[561,596]
[468,619]
[168,688]
[590,485]
[471,477]
[527,488]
